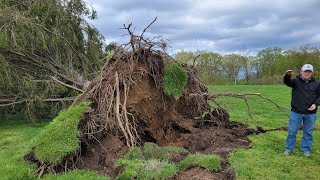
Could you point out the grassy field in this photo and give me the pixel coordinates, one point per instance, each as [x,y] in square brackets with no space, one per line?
[265,114]
[16,139]
[263,161]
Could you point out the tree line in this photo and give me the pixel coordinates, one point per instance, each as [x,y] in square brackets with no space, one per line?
[268,66]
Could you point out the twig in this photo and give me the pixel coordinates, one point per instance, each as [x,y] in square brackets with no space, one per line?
[194,60]
[67,85]
[138,42]
[148,27]
[100,144]
[45,100]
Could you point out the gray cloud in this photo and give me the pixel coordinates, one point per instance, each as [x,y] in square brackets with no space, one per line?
[221,26]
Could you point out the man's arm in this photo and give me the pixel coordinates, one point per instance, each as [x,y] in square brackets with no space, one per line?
[287,79]
[317,101]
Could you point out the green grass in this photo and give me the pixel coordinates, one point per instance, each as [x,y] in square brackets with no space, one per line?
[175,78]
[60,137]
[76,174]
[265,159]
[154,162]
[265,114]
[134,153]
[210,162]
[176,149]
[153,151]
[151,163]
[146,169]
[15,142]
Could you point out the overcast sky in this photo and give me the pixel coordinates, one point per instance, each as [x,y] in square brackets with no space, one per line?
[223,26]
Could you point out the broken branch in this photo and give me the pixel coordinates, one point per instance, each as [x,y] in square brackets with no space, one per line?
[212,97]
[67,85]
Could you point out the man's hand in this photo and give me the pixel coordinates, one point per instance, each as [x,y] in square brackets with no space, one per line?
[312,107]
[289,72]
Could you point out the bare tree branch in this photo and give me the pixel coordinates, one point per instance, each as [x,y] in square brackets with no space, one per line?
[194,60]
[67,85]
[13,102]
[212,97]
[145,29]
[138,42]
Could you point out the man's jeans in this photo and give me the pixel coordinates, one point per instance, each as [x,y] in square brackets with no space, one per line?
[294,125]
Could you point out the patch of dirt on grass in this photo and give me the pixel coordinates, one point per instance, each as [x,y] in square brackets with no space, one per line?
[218,140]
[198,173]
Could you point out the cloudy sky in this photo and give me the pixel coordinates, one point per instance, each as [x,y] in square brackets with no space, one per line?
[223,26]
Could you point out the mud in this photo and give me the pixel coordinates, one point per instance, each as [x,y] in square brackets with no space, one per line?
[209,139]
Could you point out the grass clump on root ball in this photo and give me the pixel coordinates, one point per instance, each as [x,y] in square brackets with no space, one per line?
[153,151]
[175,78]
[152,163]
[60,137]
[146,169]
[134,153]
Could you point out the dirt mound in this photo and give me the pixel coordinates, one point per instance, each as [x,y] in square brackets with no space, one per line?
[130,107]
[129,99]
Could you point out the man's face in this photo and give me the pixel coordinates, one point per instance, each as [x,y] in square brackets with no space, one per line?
[306,74]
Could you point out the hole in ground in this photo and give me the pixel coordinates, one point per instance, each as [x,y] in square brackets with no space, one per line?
[146,137]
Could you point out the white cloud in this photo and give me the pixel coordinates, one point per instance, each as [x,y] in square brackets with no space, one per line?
[222,26]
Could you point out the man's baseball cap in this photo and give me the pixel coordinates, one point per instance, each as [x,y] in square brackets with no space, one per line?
[307,67]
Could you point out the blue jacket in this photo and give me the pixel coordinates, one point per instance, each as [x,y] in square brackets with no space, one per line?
[304,94]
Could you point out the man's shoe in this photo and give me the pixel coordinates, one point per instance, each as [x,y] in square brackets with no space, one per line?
[286,152]
[306,154]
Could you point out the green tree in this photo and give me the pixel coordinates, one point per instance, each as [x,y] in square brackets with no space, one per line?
[232,64]
[209,66]
[249,67]
[48,53]
[295,59]
[268,61]
[186,57]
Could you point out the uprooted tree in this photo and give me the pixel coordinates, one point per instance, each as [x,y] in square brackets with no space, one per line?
[141,95]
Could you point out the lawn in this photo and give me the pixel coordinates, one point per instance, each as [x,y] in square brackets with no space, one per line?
[16,139]
[265,114]
[263,161]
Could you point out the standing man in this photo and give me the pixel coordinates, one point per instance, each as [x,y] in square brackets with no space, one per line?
[304,101]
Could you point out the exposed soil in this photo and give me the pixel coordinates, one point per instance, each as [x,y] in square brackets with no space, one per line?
[198,173]
[102,156]
[208,139]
